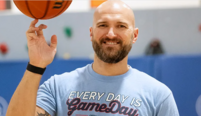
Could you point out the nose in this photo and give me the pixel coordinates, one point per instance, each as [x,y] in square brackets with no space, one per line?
[111,33]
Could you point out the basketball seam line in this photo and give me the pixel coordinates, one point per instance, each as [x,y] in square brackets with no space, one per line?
[48,2]
[29,9]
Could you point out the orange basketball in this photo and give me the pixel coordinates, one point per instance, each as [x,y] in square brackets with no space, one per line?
[42,9]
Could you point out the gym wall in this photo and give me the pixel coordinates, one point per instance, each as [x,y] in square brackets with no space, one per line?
[177,29]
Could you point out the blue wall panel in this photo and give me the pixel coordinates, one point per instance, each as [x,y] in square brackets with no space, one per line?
[182,74]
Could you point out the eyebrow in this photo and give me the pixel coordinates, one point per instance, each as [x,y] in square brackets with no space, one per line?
[122,23]
[119,22]
[101,22]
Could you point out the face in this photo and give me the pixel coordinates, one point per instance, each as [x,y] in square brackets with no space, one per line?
[111,50]
[112,36]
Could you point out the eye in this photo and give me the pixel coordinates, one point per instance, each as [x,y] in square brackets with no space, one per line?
[103,25]
[121,26]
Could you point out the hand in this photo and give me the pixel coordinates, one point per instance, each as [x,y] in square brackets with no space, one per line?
[40,53]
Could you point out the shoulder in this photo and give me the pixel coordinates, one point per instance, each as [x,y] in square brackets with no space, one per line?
[155,88]
[149,81]
[69,76]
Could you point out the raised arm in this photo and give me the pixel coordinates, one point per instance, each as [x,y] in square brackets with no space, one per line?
[23,101]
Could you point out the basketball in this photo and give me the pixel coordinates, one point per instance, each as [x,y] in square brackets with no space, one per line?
[42,9]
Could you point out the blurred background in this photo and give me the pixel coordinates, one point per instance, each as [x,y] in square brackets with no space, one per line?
[168,47]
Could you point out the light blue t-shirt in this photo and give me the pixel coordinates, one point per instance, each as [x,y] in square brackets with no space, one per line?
[84,92]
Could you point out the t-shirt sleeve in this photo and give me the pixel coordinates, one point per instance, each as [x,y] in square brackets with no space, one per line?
[46,96]
[168,107]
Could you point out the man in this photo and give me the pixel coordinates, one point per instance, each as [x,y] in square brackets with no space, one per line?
[107,87]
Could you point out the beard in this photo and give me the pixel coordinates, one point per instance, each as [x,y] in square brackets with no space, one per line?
[111,55]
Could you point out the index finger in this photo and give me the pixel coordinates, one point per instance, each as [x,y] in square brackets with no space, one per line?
[33,23]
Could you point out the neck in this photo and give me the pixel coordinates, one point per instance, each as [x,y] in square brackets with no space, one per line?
[107,69]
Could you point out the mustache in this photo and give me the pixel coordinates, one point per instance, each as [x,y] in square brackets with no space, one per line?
[113,40]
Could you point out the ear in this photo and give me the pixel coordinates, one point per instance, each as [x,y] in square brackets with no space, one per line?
[135,35]
[91,33]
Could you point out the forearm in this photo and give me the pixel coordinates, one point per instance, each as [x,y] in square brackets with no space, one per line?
[23,101]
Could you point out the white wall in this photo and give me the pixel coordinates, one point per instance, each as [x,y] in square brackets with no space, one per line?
[154,4]
[84,5]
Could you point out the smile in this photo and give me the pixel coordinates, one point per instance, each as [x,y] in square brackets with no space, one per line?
[110,43]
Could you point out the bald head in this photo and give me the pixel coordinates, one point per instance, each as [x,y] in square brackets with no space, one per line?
[113,31]
[114,7]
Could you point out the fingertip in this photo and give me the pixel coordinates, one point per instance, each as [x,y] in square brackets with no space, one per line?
[42,26]
[35,20]
[55,37]
[45,26]
[54,41]
[33,23]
